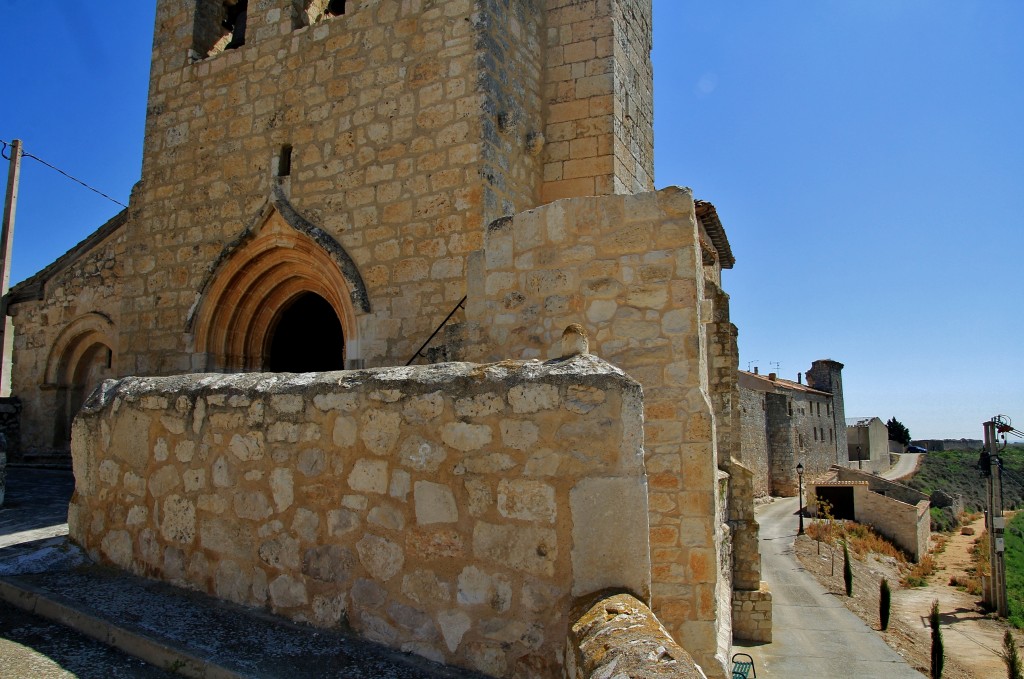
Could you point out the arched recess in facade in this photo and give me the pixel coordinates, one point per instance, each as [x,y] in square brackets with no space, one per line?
[80,358]
[279,261]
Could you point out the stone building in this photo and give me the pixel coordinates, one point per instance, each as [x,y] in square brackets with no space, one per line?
[867,443]
[371,183]
[785,423]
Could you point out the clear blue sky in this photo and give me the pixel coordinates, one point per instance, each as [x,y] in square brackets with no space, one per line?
[866,158]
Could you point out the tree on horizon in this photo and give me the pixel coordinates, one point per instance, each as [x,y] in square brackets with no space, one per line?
[897,431]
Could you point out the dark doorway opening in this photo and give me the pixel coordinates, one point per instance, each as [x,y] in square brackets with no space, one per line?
[839,498]
[307,337]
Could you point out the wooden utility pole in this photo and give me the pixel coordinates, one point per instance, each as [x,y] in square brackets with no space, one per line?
[6,238]
[995,524]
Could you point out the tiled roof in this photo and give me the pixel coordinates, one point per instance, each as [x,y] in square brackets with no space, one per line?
[767,384]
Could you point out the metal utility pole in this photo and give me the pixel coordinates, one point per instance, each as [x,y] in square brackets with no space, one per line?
[995,524]
[6,238]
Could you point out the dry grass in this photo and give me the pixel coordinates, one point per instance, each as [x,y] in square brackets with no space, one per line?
[919,573]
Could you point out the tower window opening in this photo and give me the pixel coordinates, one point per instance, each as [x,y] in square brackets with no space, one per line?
[284,161]
[236,12]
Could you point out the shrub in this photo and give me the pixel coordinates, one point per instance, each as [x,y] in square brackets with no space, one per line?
[1012,658]
[918,575]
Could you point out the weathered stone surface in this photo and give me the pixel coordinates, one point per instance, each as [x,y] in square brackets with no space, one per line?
[380,556]
[479,587]
[369,476]
[526,499]
[179,519]
[466,437]
[329,563]
[611,546]
[287,592]
[521,548]
[164,481]
[454,625]
[420,455]
[435,503]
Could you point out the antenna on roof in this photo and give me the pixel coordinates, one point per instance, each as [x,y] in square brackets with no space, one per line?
[776,364]
[750,365]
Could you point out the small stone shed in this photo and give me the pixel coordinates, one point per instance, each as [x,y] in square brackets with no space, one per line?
[898,512]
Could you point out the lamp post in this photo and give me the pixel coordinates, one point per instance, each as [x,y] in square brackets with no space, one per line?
[800,480]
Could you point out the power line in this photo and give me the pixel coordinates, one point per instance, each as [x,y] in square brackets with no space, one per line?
[3,152]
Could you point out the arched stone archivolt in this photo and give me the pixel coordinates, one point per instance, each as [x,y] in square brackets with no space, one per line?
[259,277]
[80,358]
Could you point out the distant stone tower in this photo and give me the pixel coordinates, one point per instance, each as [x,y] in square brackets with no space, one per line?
[827,375]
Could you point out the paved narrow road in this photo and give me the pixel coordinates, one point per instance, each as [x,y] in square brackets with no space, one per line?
[814,635]
[906,466]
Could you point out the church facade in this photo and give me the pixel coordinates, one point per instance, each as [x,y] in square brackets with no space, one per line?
[345,185]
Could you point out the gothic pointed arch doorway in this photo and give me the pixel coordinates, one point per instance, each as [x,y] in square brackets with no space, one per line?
[278,301]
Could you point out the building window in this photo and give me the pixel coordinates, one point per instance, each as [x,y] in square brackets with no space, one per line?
[815,433]
[830,434]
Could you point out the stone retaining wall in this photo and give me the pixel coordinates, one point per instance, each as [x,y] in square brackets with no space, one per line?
[455,510]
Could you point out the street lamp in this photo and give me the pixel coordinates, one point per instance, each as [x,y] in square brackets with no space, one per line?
[800,479]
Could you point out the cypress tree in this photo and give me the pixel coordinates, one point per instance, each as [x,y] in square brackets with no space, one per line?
[847,570]
[937,652]
[884,601]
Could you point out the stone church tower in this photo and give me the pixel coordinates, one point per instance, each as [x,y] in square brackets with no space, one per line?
[325,184]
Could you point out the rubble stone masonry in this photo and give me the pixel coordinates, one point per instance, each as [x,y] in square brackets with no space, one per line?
[455,511]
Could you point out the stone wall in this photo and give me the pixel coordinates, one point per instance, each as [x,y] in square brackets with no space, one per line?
[629,269]
[908,525]
[877,484]
[751,598]
[10,427]
[455,511]
[753,438]
[65,320]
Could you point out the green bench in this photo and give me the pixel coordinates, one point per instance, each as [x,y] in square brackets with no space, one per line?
[742,669]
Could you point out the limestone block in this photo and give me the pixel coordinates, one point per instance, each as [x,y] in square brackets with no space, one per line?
[281,552]
[282,488]
[287,592]
[328,610]
[305,524]
[232,582]
[423,409]
[178,521]
[251,505]
[379,430]
[477,587]
[341,521]
[380,556]
[226,537]
[312,462]
[329,563]
[479,405]
[466,437]
[223,476]
[137,515]
[345,429]
[519,434]
[454,624]
[400,484]
[343,402]
[109,472]
[164,481]
[532,398]
[425,588]
[134,483]
[369,476]
[434,503]
[610,535]
[249,447]
[528,549]
[526,499]
[117,547]
[421,455]
[129,439]
[386,516]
